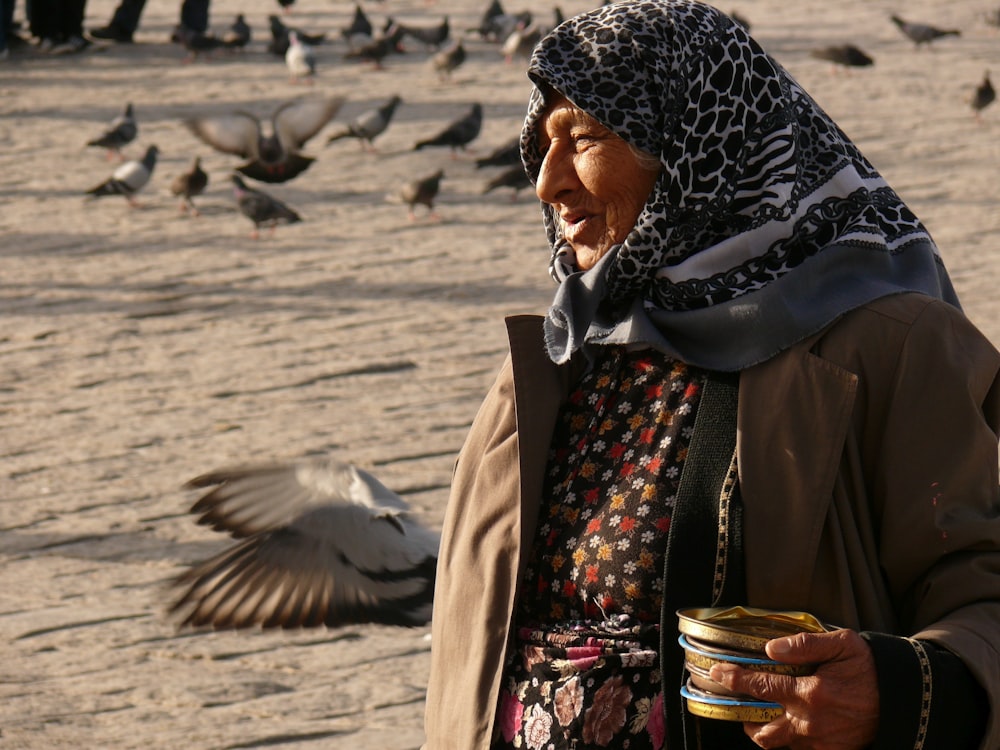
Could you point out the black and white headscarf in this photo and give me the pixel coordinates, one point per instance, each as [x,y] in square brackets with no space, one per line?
[766,222]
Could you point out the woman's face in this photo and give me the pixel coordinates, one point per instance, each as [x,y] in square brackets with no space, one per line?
[592,179]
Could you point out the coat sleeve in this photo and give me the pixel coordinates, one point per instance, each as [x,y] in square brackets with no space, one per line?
[939,501]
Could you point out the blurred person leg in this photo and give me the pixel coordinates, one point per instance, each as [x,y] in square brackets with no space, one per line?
[123,23]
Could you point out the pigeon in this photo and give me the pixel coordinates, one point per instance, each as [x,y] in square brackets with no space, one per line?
[422,191]
[121,132]
[459,133]
[507,155]
[430,36]
[300,58]
[369,124]
[274,156]
[279,37]
[513,177]
[189,184]
[378,48]
[520,42]
[318,543]
[495,25]
[846,55]
[983,96]
[447,60]
[129,178]
[921,33]
[238,35]
[360,28]
[195,42]
[261,208]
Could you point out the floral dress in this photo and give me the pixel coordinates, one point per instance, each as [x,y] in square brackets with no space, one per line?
[584,667]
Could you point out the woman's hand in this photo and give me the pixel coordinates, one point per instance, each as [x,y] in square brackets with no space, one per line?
[836,708]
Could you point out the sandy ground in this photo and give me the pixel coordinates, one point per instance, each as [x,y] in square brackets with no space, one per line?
[140,347]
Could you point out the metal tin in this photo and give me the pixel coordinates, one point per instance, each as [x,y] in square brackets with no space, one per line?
[712,706]
[744,628]
[695,655]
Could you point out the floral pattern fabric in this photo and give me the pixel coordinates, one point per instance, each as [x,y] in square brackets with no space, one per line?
[583,671]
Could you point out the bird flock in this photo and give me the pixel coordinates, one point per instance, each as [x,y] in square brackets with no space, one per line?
[319,542]
[274,147]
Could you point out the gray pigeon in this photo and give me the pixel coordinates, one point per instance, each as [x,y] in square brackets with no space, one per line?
[846,55]
[238,35]
[513,177]
[318,543]
[129,178]
[368,125]
[272,156]
[422,191]
[429,36]
[120,132]
[922,33]
[506,155]
[447,60]
[189,184]
[459,133]
[261,208]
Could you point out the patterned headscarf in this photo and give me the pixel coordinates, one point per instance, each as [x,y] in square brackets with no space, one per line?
[765,224]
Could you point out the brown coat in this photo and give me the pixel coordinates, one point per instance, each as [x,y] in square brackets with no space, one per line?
[867,457]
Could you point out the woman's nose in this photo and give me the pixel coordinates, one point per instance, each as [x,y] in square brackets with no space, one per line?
[556,176]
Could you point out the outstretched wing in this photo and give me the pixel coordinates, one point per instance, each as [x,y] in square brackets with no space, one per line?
[297,121]
[324,543]
[237,133]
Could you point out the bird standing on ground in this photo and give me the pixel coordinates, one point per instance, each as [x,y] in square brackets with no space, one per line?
[129,178]
[318,543]
[189,184]
[422,191]
[238,35]
[360,30]
[983,96]
[520,42]
[300,59]
[279,37]
[262,209]
[369,124]
[448,60]
[120,132]
[513,177]
[505,155]
[272,156]
[846,55]
[459,133]
[376,50]
[430,36]
[922,33]
[196,43]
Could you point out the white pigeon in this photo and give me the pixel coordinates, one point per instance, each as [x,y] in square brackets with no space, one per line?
[300,58]
[129,178]
[321,543]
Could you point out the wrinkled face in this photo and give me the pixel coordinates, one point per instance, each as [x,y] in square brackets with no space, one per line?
[592,179]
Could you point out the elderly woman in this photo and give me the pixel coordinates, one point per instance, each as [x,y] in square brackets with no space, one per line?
[755,386]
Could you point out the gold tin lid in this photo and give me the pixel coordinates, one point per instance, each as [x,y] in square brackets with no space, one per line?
[712,706]
[744,628]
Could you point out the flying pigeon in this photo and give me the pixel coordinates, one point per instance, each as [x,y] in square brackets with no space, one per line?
[129,178]
[279,37]
[922,33]
[189,184]
[459,133]
[238,35]
[447,60]
[274,156]
[368,125]
[376,50]
[261,208]
[429,36]
[318,543]
[983,96]
[513,177]
[300,58]
[422,191]
[506,155]
[846,55]
[122,131]
[360,28]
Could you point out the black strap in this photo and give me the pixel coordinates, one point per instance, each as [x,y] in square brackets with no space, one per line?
[692,541]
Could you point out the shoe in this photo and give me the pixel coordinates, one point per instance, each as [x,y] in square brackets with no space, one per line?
[111,33]
[71,46]
[44,45]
